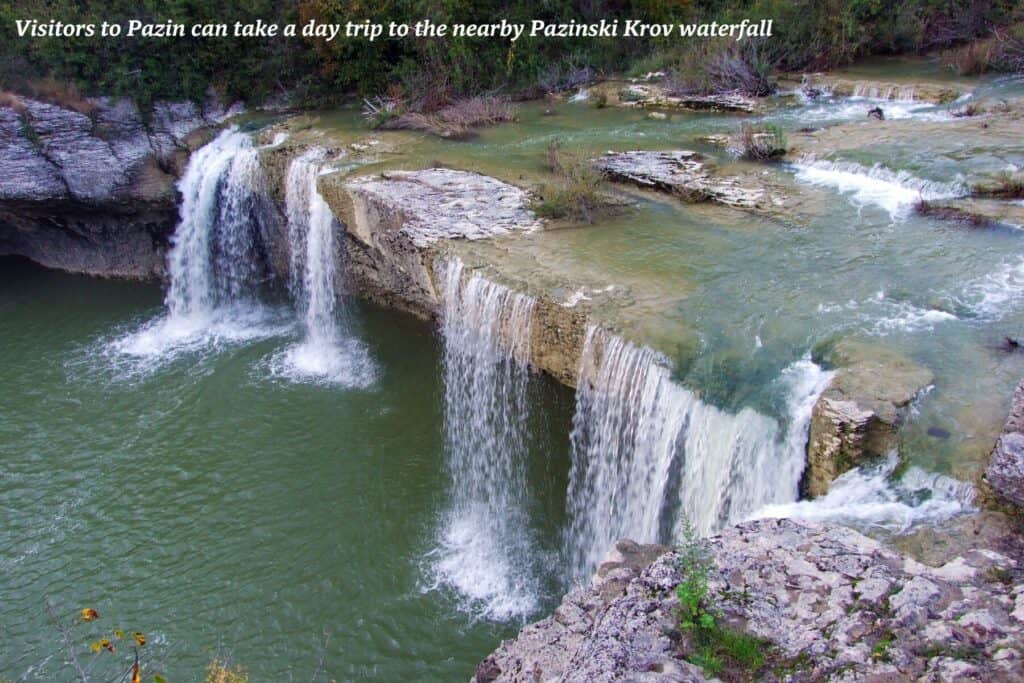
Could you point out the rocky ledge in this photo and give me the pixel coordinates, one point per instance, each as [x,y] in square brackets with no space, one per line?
[859,413]
[830,604]
[684,174]
[94,192]
[399,225]
[655,96]
[1005,473]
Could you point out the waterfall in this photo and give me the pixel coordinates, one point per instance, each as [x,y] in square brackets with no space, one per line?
[213,259]
[214,264]
[485,540]
[326,353]
[638,436]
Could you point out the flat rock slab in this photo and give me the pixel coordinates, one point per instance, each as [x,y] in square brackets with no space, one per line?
[439,204]
[833,604]
[653,96]
[682,173]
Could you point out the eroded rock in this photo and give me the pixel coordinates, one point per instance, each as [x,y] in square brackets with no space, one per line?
[655,96]
[858,415]
[683,174]
[1005,472]
[832,604]
[94,193]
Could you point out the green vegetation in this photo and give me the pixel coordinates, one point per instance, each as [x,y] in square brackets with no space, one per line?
[880,651]
[714,647]
[763,144]
[430,74]
[1003,185]
[577,190]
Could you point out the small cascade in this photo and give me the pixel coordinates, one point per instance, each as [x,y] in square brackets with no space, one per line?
[638,437]
[893,191]
[325,353]
[893,93]
[870,497]
[485,542]
[213,258]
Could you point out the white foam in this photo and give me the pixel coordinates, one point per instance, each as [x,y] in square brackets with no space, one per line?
[993,295]
[868,498]
[894,191]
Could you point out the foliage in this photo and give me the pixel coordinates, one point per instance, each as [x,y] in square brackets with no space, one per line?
[454,121]
[713,646]
[577,190]
[762,144]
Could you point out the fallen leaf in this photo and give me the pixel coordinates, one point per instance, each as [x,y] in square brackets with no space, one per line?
[89,614]
[140,639]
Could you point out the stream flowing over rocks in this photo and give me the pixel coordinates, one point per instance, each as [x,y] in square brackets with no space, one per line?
[833,604]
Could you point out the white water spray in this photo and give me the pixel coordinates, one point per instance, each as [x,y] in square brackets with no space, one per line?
[485,546]
[638,436]
[893,191]
[325,354]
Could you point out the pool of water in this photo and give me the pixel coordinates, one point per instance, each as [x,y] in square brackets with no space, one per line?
[224,512]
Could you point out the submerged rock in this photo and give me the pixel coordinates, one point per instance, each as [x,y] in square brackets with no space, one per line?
[831,604]
[1005,472]
[681,173]
[858,415]
[94,193]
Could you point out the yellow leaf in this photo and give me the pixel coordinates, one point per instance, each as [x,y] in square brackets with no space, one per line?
[119,634]
[96,647]
[107,645]
[140,639]
[89,614]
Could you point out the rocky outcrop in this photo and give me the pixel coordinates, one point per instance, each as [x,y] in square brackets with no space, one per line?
[858,415]
[830,603]
[1005,472]
[683,174]
[919,91]
[654,96]
[399,223]
[94,193]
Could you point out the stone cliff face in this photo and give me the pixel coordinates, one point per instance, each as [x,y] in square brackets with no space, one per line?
[95,193]
[1005,473]
[831,604]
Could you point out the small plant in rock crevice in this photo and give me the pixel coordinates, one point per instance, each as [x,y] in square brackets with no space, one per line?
[762,144]
[710,644]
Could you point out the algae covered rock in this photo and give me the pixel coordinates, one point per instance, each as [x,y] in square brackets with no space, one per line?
[858,415]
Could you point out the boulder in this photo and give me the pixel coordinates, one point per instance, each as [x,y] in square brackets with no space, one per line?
[859,413]
[830,603]
[1005,472]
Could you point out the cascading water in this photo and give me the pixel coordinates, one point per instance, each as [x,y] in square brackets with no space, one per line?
[325,354]
[637,436]
[893,191]
[214,261]
[485,542]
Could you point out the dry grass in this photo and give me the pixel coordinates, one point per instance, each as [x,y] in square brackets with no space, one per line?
[12,101]
[577,190]
[950,213]
[454,121]
[1003,185]
[222,672]
[762,144]
[61,93]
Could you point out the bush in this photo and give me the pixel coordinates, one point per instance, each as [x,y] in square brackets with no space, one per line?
[762,144]
[713,647]
[454,121]
[1004,185]
[576,193]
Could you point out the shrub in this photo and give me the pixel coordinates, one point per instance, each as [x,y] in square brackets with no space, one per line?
[1004,185]
[713,646]
[454,121]
[577,190]
[762,144]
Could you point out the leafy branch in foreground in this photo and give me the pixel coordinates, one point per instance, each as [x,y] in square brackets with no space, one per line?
[707,642]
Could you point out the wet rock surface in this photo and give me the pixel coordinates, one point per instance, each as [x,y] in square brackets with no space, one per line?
[858,415]
[94,193]
[655,96]
[918,91]
[683,174]
[1005,472]
[833,604]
